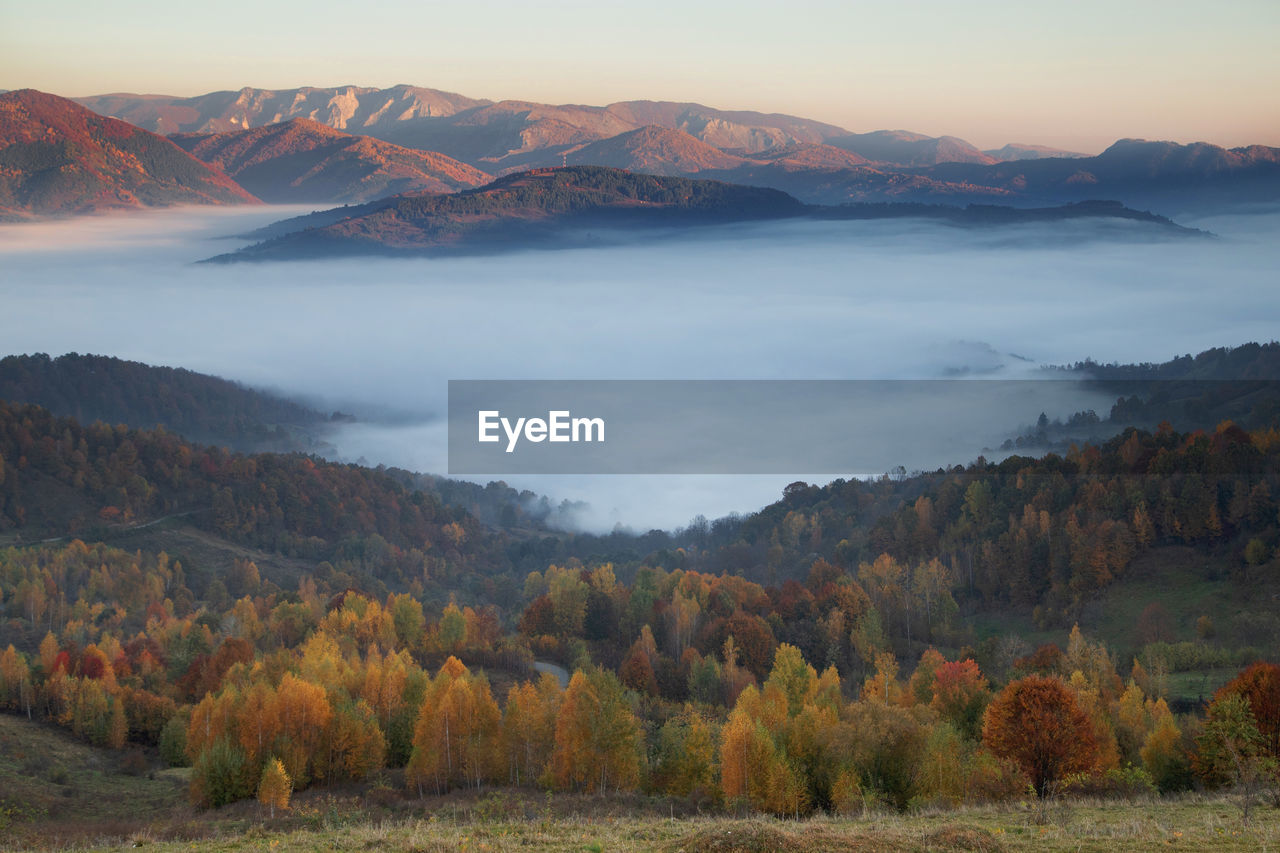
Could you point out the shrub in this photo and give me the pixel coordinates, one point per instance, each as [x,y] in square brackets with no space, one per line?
[173,743]
[221,776]
[1117,783]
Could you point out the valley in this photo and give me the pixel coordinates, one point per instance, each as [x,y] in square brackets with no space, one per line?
[926,360]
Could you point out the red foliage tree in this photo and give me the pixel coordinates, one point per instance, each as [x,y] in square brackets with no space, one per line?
[538,618]
[1046,660]
[752,635]
[1259,684]
[959,695]
[636,672]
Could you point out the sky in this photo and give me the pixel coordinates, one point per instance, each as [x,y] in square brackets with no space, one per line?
[1075,75]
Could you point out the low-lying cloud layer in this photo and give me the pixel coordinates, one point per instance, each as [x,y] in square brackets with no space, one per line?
[797,300]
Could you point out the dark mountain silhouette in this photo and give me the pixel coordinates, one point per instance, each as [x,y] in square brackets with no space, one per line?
[1141,173]
[593,205]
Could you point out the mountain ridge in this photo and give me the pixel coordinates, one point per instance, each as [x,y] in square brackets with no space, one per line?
[302,160]
[816,163]
[57,158]
[217,112]
[502,135]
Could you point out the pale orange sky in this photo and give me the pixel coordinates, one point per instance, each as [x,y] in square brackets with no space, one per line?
[1076,75]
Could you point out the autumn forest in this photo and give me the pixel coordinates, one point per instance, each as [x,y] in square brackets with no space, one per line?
[344,625]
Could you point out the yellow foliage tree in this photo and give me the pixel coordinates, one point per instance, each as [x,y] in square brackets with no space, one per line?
[275,787]
[457,733]
[1162,753]
[597,742]
[529,728]
[303,713]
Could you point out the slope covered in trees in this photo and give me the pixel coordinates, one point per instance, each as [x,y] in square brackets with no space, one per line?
[301,160]
[197,406]
[284,690]
[1049,534]
[60,478]
[590,205]
[788,694]
[1238,384]
[56,157]
[539,207]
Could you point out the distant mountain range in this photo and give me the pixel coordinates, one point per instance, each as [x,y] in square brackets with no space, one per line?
[1018,151]
[814,161]
[345,108]
[513,135]
[577,206]
[57,157]
[904,148]
[352,145]
[1142,173]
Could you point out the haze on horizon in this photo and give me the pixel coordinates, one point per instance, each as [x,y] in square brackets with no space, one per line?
[984,70]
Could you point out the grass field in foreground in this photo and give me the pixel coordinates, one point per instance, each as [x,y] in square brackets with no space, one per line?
[1191,823]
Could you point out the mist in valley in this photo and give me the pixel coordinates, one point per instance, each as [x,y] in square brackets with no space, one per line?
[798,300]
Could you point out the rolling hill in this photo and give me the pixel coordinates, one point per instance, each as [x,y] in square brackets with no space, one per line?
[189,595]
[540,208]
[579,206]
[654,150]
[202,408]
[742,131]
[301,160]
[57,157]
[1160,175]
[811,156]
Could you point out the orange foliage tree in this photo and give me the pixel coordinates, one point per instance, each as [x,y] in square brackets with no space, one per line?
[1036,722]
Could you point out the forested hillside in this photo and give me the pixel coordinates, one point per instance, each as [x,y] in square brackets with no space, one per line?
[58,158]
[194,405]
[1238,384]
[62,478]
[575,206]
[821,654]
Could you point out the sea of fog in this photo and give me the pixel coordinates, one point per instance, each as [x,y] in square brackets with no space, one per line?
[381,337]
